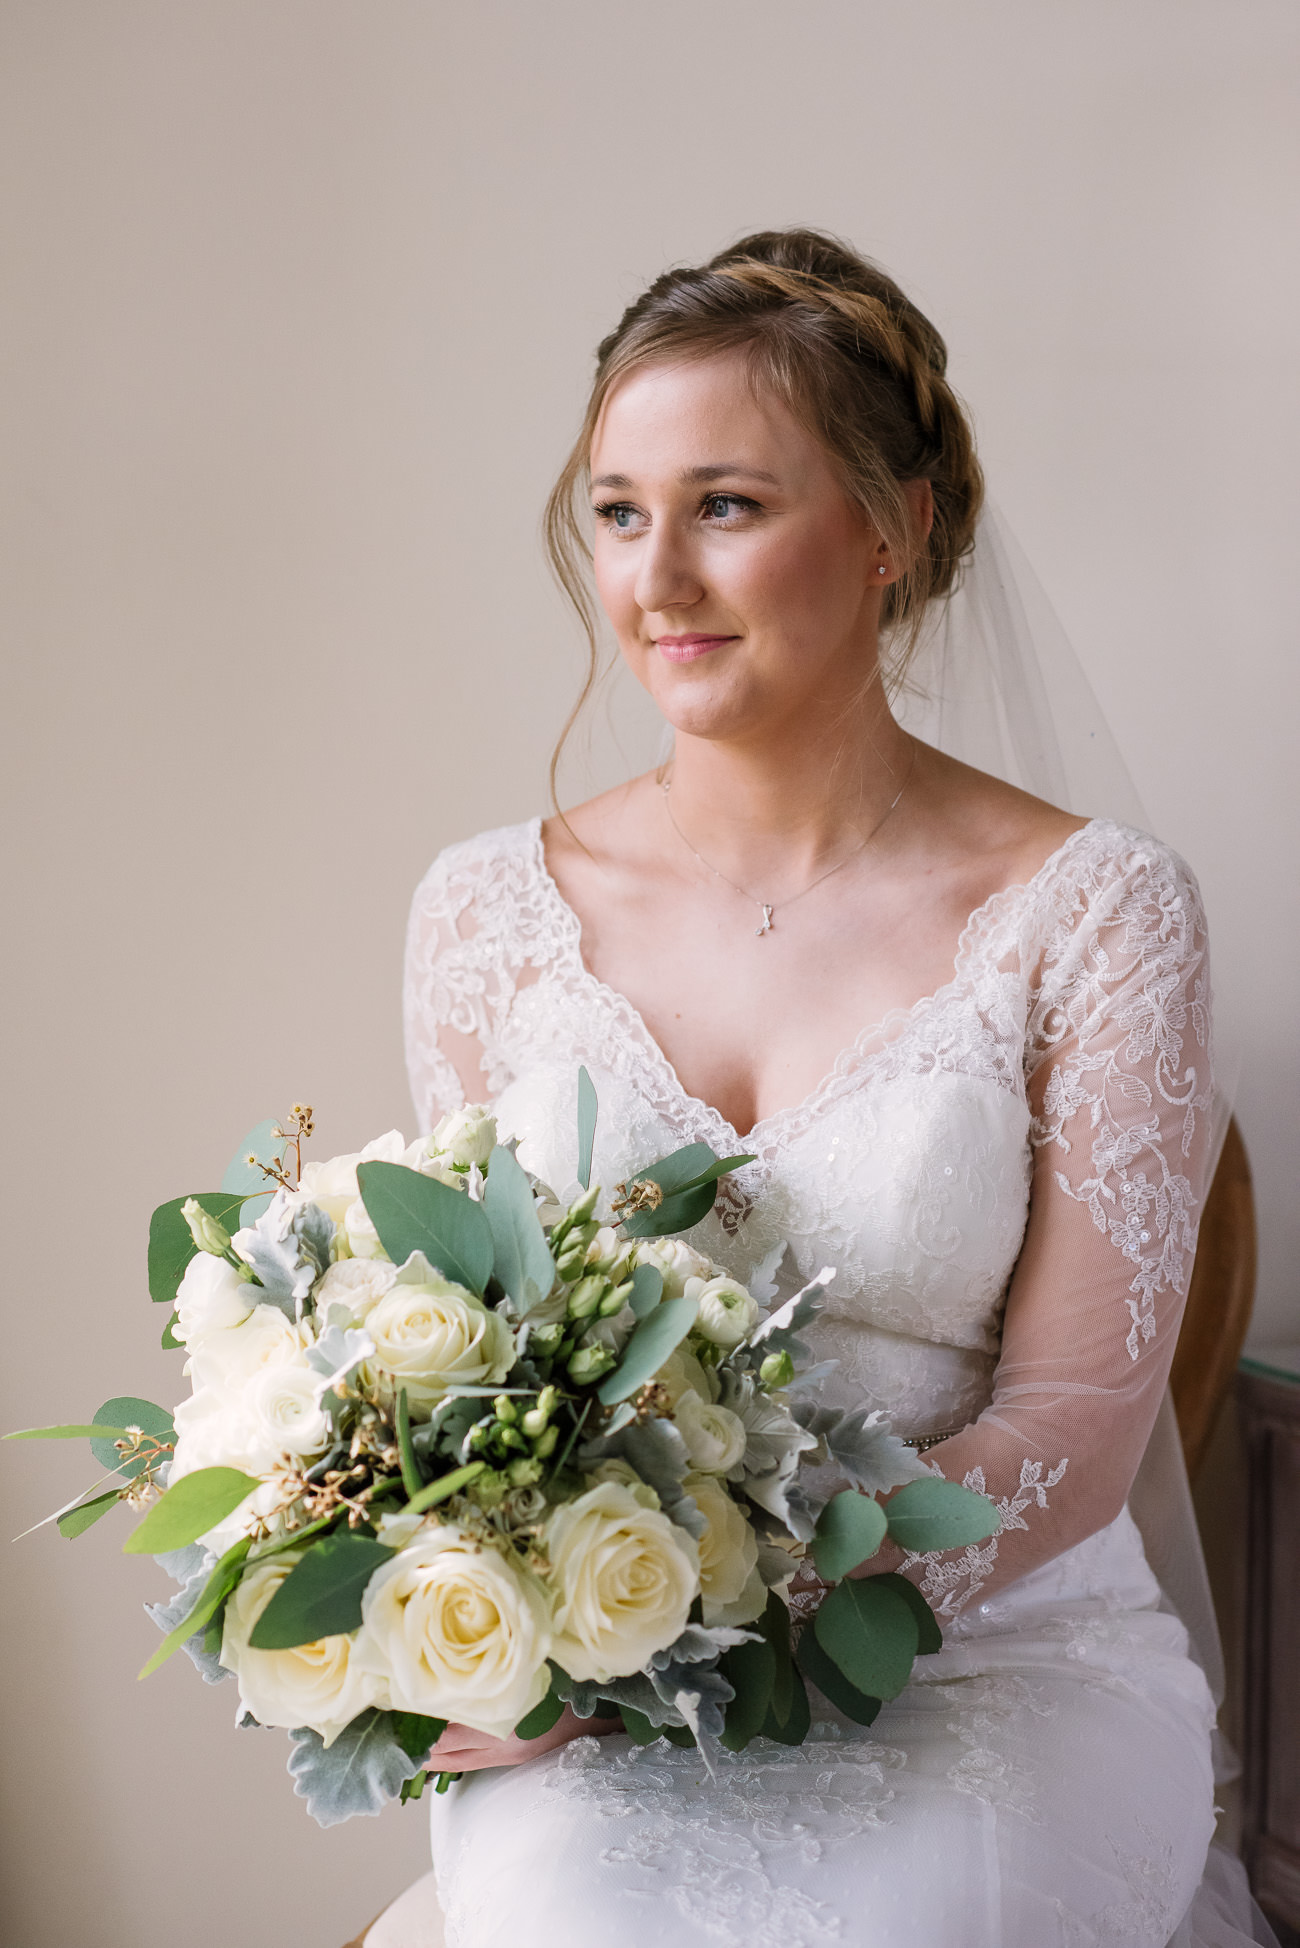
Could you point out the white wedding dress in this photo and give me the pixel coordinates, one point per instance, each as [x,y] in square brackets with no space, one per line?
[1007,1177]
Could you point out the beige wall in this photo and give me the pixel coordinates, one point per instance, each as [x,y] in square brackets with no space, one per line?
[299,296]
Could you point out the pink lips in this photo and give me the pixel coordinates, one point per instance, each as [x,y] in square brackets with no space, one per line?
[686,649]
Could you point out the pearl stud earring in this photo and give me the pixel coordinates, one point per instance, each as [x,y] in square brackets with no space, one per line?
[881,569]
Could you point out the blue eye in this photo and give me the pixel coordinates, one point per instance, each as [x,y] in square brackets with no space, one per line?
[725,507]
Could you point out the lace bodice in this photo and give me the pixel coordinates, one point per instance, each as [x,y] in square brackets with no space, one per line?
[1007,1176]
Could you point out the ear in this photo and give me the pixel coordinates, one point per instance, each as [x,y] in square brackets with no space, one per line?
[920,498]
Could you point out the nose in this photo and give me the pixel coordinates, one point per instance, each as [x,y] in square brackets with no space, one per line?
[667,578]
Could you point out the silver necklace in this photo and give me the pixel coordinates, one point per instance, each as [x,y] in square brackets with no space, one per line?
[767,908]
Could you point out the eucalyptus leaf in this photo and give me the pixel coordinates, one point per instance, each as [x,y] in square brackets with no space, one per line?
[203,1644]
[124,1410]
[586,1126]
[81,1431]
[794,1726]
[849,1531]
[677,1213]
[363,1770]
[169,1341]
[832,1683]
[171,1244]
[750,1669]
[869,1631]
[242,1178]
[415,1213]
[938,1514]
[647,1290]
[929,1635]
[321,1595]
[75,1521]
[522,1261]
[679,1168]
[656,1336]
[188,1510]
[541,1718]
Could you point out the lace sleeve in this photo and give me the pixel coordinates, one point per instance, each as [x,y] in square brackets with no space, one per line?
[1118,1073]
[467,948]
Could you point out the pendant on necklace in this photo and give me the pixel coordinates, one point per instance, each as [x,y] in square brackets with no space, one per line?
[767,920]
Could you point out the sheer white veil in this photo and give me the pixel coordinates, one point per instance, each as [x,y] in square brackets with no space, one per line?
[996,682]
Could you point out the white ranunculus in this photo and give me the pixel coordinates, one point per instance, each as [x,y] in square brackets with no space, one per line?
[332,1182]
[714,1436]
[430,1334]
[728,1313]
[457,1630]
[358,1283]
[731,1589]
[624,1578]
[212,1298]
[675,1262]
[214,1430]
[467,1136]
[320,1684]
[285,1412]
[265,1338]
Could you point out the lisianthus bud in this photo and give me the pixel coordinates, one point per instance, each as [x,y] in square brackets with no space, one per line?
[208,1233]
[570,1263]
[582,1207]
[590,1363]
[545,1339]
[545,1444]
[504,1409]
[613,1302]
[524,1472]
[777,1370]
[587,1295]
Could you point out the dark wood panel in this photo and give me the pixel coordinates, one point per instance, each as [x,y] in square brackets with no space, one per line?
[1271,1425]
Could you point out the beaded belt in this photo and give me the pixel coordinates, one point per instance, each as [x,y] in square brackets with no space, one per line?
[923,1442]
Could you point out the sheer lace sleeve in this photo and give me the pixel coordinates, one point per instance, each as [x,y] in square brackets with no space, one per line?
[471,942]
[1118,1073]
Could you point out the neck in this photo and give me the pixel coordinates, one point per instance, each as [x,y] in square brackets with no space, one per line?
[789,803]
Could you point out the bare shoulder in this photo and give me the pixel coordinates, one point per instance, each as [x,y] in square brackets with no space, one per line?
[603,835]
[1001,835]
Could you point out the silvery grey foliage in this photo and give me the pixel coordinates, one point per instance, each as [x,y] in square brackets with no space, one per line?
[658,1453]
[774,1441]
[340,1347]
[779,1331]
[191,1568]
[863,1445]
[686,1672]
[363,1770]
[289,1249]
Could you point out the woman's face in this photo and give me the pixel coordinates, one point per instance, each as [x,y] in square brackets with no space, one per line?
[741,581]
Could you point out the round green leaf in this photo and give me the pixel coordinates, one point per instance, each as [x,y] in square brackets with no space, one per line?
[938,1514]
[850,1529]
[869,1631]
[832,1683]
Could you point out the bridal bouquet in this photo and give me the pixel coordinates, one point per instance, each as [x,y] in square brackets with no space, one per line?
[462,1448]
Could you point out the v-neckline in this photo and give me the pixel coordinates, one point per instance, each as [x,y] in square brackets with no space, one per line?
[886,1030]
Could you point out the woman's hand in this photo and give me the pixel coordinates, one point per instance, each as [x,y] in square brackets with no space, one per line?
[462,1750]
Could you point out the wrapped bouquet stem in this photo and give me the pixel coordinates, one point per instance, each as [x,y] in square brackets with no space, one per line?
[462,1447]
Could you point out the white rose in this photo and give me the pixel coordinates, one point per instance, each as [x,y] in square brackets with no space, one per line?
[467,1136]
[456,1630]
[680,1374]
[358,1283]
[212,1298]
[675,1262]
[627,1477]
[285,1412]
[727,1312]
[319,1684]
[731,1589]
[214,1430]
[265,1338]
[430,1335]
[332,1183]
[714,1436]
[624,1577]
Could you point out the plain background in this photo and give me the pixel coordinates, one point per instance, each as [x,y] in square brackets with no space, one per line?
[299,303]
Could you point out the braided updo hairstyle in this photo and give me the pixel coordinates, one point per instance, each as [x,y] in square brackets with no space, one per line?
[837,341]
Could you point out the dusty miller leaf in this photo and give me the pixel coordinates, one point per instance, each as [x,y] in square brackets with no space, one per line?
[363,1769]
[864,1445]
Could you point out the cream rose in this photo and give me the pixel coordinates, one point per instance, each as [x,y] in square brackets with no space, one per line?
[680,1374]
[727,1312]
[731,1589]
[467,1136]
[321,1684]
[714,1436]
[332,1182]
[212,1298]
[285,1413]
[624,1578]
[675,1262]
[357,1283]
[265,1338]
[430,1335]
[456,1630]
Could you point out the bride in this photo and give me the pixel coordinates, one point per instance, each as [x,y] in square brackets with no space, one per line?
[1005,1165]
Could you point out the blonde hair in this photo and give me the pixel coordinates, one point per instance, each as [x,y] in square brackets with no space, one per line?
[861,368]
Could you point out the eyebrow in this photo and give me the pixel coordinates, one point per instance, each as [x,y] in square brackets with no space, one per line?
[697,476]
